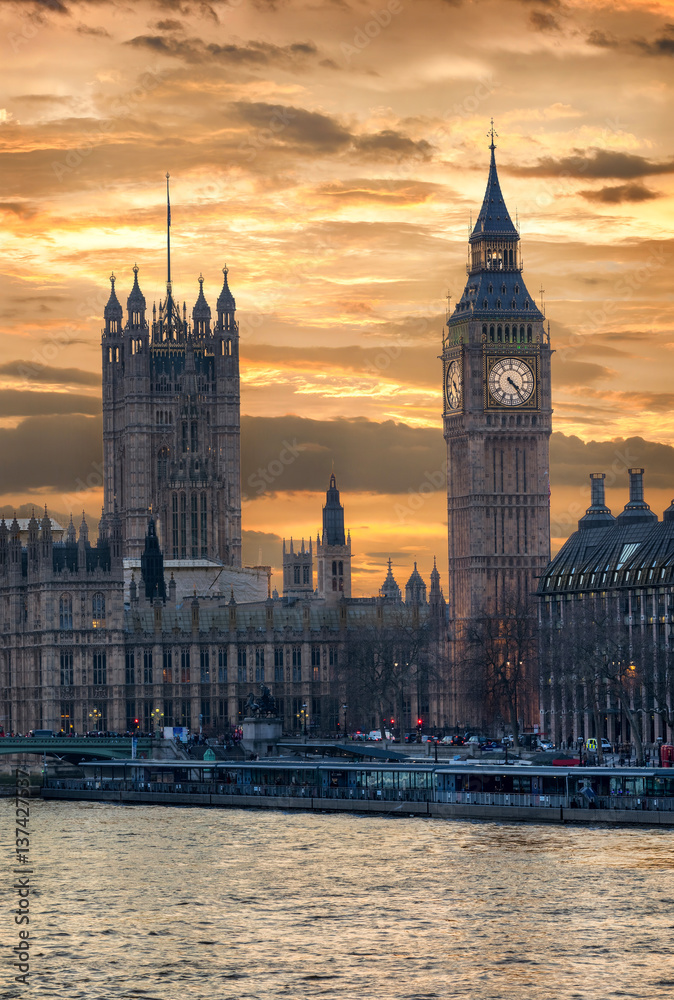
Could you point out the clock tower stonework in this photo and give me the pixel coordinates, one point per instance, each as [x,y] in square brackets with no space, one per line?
[497,418]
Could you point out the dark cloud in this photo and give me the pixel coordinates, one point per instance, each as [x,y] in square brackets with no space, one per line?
[540,21]
[52,453]
[84,29]
[260,548]
[572,461]
[597,163]
[573,373]
[392,144]
[31,371]
[602,40]
[24,209]
[287,124]
[169,25]
[23,403]
[619,193]
[662,46]
[195,51]
[293,453]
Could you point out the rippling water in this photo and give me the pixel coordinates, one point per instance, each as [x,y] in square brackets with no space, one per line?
[168,903]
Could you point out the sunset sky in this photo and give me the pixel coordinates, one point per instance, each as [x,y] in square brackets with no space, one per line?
[331,153]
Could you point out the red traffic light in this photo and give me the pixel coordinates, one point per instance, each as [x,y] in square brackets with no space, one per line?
[420,722]
[393,722]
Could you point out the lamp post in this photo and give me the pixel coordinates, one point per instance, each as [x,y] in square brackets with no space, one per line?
[156,715]
[304,715]
[95,718]
[344,708]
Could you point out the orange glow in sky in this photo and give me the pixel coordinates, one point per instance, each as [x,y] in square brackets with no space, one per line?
[331,154]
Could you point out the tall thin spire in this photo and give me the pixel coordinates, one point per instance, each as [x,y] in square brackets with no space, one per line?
[168,233]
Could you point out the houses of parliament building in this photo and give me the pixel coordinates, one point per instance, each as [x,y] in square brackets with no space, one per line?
[158,623]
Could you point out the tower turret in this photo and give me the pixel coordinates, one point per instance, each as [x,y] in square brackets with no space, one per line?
[201,313]
[333,553]
[135,305]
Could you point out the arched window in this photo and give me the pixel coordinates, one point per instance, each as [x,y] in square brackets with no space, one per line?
[334,567]
[491,332]
[341,568]
[529,334]
[522,332]
[498,303]
[491,289]
[526,304]
[98,610]
[65,611]
[503,289]
[485,304]
[484,330]
[517,289]
[499,333]
[507,335]
[162,464]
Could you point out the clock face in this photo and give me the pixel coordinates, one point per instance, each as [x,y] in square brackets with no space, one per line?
[511,381]
[453,388]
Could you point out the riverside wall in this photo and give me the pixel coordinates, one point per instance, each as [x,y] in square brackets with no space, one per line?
[434,810]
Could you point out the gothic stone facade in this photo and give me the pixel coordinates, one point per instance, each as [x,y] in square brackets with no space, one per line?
[171,424]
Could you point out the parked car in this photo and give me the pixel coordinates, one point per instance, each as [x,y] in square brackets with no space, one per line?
[490,745]
[546,744]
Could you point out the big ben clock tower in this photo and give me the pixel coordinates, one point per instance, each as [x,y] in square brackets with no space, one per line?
[497,423]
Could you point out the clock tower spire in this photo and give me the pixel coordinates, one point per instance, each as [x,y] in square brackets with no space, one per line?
[497,423]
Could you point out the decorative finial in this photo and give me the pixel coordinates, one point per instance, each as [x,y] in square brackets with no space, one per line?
[225,271]
[112,279]
[492,133]
[135,269]
[201,280]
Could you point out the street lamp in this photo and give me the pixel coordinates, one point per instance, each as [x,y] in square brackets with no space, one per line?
[304,713]
[95,718]
[156,715]
[344,708]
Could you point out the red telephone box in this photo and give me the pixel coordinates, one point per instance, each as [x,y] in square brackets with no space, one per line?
[667,755]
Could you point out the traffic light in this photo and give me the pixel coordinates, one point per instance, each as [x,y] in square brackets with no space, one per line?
[420,723]
[393,722]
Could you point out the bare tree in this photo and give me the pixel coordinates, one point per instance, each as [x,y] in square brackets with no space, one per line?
[386,658]
[501,660]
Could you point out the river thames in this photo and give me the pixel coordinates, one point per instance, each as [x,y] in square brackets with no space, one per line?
[168,903]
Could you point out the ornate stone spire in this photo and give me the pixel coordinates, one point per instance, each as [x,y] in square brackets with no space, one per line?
[135,304]
[390,590]
[493,219]
[112,314]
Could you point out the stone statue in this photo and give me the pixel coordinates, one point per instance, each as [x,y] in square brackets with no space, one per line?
[264,705]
